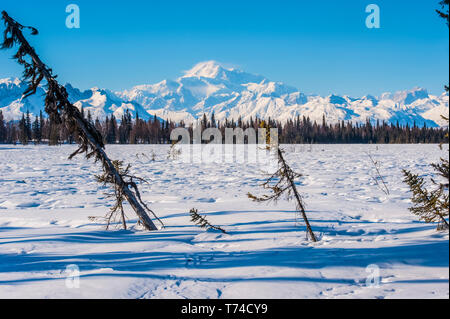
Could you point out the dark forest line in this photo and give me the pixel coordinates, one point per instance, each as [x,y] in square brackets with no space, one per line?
[299,130]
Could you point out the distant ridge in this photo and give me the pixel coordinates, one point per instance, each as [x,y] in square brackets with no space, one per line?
[232,93]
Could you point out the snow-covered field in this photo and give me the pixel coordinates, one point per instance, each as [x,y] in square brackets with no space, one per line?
[45,202]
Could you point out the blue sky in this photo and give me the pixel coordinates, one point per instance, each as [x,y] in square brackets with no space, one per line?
[320,47]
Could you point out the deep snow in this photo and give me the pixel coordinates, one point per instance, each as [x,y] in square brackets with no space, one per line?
[45,202]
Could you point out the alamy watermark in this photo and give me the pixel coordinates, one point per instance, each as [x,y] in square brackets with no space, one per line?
[237,146]
[373,19]
[373,278]
[73,19]
[72,274]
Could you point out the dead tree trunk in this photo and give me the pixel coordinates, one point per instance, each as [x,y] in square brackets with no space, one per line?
[58,105]
[282,182]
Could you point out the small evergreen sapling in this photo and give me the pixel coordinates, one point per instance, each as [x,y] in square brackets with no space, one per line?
[202,222]
[283,182]
[431,205]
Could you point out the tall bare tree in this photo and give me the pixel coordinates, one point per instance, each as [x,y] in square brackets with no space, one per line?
[62,111]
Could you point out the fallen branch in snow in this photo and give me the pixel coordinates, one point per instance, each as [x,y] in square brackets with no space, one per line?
[61,110]
[202,222]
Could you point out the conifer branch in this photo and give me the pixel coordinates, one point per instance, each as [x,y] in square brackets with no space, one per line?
[202,222]
[431,205]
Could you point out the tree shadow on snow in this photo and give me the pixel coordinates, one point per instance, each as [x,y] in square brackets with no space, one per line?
[302,257]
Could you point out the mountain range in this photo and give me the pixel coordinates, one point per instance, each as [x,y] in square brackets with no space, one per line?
[209,87]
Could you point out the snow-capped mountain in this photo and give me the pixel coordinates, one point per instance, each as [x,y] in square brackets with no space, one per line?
[231,93]
[100,102]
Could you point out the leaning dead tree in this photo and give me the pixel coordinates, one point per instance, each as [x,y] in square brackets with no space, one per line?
[60,110]
[283,182]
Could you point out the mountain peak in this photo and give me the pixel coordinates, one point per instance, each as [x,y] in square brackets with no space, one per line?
[207,69]
[232,93]
[14,81]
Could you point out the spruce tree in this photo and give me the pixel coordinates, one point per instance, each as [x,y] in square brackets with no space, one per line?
[432,204]
[113,129]
[42,125]
[2,128]
[28,125]
[204,122]
[36,131]
[23,136]
[213,120]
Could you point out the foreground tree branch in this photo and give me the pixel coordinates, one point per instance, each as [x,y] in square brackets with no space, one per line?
[430,205]
[61,110]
